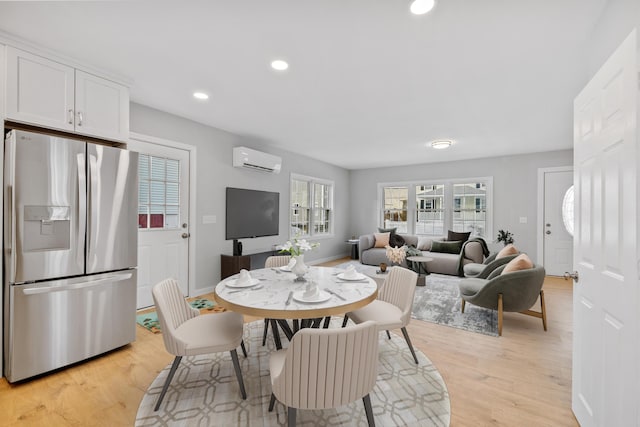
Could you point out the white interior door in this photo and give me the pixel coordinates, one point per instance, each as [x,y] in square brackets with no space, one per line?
[163,218]
[558,243]
[605,339]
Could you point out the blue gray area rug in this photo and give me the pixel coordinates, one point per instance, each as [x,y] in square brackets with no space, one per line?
[439,302]
[204,391]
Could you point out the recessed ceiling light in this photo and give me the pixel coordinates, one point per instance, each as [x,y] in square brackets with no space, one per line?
[441,144]
[420,7]
[279,65]
[200,95]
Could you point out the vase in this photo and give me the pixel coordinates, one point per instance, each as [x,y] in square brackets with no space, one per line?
[299,268]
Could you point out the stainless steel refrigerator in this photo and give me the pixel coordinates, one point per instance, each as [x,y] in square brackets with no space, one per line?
[70,251]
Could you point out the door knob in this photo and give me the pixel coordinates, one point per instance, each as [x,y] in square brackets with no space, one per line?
[186,235]
[573,276]
[547,232]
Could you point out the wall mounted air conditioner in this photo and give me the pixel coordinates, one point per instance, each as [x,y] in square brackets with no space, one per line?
[247,158]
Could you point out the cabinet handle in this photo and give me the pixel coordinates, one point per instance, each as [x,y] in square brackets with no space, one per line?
[80,118]
[70,117]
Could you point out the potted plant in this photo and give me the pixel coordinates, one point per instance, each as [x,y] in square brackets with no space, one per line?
[505,236]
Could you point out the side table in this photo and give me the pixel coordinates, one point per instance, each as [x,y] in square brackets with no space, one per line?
[422,265]
[354,247]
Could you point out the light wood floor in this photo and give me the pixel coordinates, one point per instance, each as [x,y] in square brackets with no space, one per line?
[522,378]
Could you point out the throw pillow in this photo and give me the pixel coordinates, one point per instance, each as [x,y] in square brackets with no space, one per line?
[507,250]
[453,236]
[382,240]
[396,240]
[424,243]
[446,247]
[521,262]
[392,231]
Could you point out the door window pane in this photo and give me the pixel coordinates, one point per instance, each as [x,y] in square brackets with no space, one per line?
[158,192]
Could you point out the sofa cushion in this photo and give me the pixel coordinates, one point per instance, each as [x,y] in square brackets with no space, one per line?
[507,250]
[391,230]
[453,236]
[424,243]
[446,247]
[396,240]
[382,240]
[521,262]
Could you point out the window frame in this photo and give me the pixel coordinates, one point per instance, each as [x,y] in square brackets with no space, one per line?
[311,184]
[448,202]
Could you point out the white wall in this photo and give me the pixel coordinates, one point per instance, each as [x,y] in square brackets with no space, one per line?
[215,172]
[514,190]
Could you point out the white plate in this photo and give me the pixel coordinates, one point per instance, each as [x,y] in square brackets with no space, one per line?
[321,297]
[285,268]
[233,283]
[358,276]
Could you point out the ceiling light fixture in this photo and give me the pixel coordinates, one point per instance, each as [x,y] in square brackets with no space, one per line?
[279,65]
[420,7]
[200,95]
[441,144]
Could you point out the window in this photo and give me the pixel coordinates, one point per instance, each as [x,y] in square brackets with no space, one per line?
[456,204]
[396,201]
[311,212]
[158,192]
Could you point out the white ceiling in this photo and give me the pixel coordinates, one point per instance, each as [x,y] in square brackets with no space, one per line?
[368,85]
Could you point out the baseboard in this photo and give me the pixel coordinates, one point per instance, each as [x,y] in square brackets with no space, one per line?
[323,260]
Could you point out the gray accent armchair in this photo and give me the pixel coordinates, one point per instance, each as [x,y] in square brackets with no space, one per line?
[482,271]
[514,291]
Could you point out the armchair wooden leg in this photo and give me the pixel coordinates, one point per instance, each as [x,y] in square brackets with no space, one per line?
[463,302]
[291,416]
[368,410]
[499,314]
[544,310]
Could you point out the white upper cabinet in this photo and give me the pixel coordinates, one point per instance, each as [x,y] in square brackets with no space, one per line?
[46,93]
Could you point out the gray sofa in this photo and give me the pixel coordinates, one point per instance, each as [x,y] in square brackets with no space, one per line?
[442,263]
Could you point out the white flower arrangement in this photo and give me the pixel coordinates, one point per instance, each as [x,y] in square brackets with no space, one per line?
[297,247]
[396,255]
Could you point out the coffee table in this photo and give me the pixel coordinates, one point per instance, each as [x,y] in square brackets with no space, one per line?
[422,265]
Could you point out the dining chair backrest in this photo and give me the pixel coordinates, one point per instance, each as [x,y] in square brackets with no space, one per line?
[277,261]
[173,310]
[399,288]
[327,368]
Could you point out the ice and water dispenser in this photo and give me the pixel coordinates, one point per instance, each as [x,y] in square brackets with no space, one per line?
[47,228]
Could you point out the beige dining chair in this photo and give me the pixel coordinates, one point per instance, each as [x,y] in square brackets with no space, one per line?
[273,262]
[186,333]
[392,308]
[326,368]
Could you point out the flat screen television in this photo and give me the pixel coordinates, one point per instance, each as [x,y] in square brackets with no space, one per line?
[251,213]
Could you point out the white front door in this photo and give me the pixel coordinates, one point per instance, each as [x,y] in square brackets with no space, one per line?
[558,243]
[163,217]
[605,303]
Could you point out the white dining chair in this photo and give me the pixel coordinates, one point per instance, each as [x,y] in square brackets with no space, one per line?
[186,333]
[326,368]
[273,262]
[392,308]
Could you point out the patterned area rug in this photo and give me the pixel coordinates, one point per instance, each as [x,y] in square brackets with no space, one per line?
[204,391]
[150,322]
[439,302]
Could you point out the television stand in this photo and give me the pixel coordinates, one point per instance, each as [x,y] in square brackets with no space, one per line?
[232,264]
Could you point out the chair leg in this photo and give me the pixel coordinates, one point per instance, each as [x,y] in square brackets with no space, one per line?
[272,402]
[406,338]
[344,322]
[291,416]
[499,314]
[244,349]
[462,303]
[368,410]
[544,310]
[172,372]
[388,335]
[236,366]
[264,334]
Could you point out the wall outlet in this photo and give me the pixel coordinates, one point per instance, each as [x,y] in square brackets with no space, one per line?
[209,219]
[523,220]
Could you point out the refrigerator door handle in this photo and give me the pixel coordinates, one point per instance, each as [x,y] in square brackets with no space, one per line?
[92,218]
[80,284]
[82,207]
[11,199]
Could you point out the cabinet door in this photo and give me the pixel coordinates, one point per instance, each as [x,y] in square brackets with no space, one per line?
[39,91]
[102,107]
